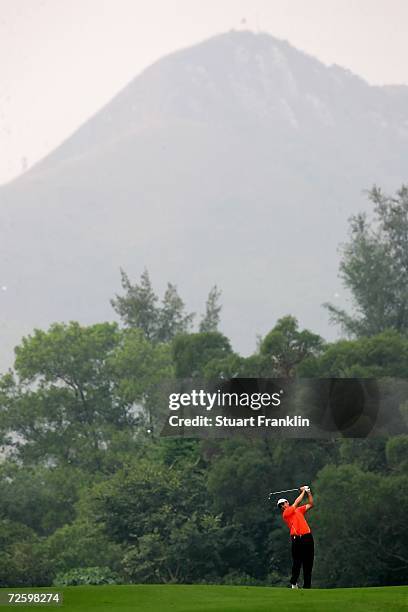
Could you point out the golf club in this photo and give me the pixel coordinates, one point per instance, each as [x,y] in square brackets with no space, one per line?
[285,491]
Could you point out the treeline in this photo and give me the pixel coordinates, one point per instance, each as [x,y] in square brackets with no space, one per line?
[91,493]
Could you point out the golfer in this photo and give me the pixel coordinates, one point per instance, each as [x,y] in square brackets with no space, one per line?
[301,536]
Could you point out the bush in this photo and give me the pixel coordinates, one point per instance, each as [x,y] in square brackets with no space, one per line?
[86,575]
[82,544]
[23,560]
[397,453]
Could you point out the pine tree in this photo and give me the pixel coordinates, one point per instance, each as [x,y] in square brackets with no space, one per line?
[138,307]
[211,318]
[374,267]
[172,317]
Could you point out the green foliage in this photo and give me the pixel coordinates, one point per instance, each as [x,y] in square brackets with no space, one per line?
[367,454]
[91,493]
[161,515]
[173,451]
[138,309]
[22,560]
[65,397]
[191,552]
[374,268]
[86,575]
[286,347]
[41,498]
[172,317]
[229,366]
[237,482]
[192,353]
[143,497]
[240,471]
[211,318]
[397,453]
[81,544]
[67,354]
[360,514]
[235,366]
[139,370]
[374,357]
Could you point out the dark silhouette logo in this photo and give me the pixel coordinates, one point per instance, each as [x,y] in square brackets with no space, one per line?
[346,405]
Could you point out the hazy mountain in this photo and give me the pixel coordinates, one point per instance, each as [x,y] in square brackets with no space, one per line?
[237,162]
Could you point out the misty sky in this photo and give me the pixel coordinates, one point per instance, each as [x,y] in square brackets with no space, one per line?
[61,60]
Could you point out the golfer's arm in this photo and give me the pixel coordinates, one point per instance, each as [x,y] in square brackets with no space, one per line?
[310,503]
[298,499]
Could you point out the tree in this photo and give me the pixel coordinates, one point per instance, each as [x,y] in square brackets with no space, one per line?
[23,560]
[62,408]
[377,356]
[81,544]
[211,318]
[139,369]
[189,553]
[138,307]
[374,267]
[81,395]
[161,516]
[42,498]
[369,454]
[286,346]
[172,317]
[359,515]
[193,352]
[245,471]
[397,453]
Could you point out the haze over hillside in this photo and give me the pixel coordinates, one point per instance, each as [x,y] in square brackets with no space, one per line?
[237,162]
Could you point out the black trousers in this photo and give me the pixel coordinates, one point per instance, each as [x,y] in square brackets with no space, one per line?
[302,554]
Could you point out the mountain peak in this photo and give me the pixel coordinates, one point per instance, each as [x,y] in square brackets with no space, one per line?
[236,78]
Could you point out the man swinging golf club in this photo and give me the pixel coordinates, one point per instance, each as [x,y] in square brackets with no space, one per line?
[301,536]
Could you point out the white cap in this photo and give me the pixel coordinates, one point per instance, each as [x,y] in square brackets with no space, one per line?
[280,501]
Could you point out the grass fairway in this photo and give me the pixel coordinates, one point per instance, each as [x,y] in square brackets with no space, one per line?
[180,598]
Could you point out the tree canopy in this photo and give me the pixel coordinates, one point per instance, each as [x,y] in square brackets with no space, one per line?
[91,491]
[374,267]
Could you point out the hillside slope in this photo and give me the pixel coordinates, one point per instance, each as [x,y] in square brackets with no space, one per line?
[236,162]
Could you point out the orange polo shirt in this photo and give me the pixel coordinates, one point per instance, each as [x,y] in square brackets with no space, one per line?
[295,520]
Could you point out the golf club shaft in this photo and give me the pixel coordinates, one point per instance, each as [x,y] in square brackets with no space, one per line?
[285,491]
